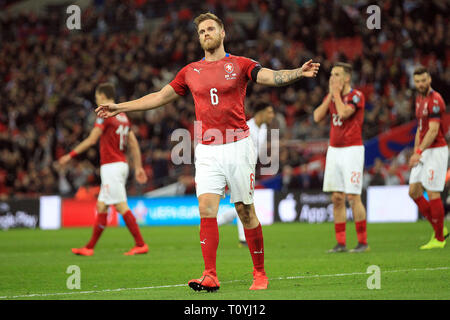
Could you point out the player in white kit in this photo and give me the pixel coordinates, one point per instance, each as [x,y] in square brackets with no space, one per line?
[263,116]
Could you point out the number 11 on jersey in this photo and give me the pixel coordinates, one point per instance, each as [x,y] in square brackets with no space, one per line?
[122,131]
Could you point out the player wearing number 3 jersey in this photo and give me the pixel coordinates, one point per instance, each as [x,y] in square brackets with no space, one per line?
[430,158]
[345,155]
[115,136]
[225,154]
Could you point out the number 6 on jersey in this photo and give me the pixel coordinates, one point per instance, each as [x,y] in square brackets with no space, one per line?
[214,97]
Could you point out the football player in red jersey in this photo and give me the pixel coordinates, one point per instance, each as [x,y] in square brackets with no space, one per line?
[345,155]
[225,154]
[115,135]
[430,158]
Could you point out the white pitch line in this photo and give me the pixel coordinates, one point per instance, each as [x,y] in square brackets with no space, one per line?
[231,281]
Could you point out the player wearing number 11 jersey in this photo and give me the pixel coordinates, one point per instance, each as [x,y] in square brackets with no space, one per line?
[115,135]
[225,154]
[345,155]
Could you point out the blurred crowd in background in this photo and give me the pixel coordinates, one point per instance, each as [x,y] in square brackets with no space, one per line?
[49,73]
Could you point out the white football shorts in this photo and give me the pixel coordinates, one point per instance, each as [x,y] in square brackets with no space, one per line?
[344,170]
[232,164]
[114,177]
[431,170]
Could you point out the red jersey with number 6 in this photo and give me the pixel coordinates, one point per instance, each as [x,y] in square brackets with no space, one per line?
[114,138]
[218,89]
[431,108]
[348,132]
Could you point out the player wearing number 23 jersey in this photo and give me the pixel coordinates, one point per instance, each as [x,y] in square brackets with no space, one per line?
[345,155]
[349,132]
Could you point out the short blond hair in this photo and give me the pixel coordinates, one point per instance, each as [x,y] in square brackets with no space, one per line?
[207,16]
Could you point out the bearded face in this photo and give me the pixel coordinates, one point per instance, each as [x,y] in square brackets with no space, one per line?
[211,43]
[422,82]
[210,35]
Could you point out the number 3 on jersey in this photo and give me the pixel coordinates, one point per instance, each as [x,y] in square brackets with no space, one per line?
[214,96]
[122,131]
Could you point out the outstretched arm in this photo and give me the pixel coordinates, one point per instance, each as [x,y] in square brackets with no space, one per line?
[91,140]
[150,101]
[280,78]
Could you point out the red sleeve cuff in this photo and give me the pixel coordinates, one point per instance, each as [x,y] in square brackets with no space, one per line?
[179,91]
[73,154]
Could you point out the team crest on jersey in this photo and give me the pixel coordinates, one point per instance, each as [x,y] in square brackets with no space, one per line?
[356,98]
[425,111]
[229,68]
[436,109]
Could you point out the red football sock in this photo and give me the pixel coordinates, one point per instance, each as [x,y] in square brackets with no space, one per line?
[437,218]
[255,243]
[339,228]
[209,241]
[99,226]
[424,207]
[361,231]
[130,221]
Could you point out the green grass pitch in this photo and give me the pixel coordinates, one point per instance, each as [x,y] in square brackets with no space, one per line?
[33,264]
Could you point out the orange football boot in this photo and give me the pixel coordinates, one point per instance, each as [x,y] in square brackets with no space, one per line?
[83,251]
[260,281]
[137,250]
[208,282]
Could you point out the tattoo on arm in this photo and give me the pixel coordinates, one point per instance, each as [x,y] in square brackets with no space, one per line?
[285,77]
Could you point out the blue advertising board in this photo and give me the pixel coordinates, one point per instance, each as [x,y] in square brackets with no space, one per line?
[167,211]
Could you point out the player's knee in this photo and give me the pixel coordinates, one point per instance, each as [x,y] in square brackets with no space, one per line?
[122,208]
[244,212]
[413,193]
[353,199]
[206,210]
[338,199]
[101,207]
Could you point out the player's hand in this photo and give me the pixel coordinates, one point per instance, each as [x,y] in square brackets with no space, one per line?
[414,160]
[64,160]
[141,176]
[107,110]
[336,86]
[310,69]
